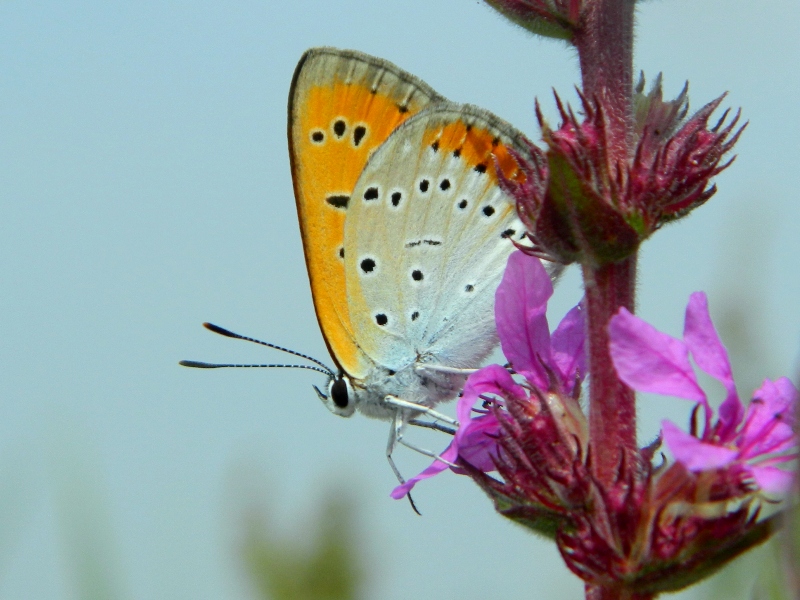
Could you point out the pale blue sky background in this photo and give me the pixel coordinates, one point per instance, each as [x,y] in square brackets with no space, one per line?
[145,188]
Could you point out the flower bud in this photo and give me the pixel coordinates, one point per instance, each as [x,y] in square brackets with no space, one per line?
[581,204]
[548,18]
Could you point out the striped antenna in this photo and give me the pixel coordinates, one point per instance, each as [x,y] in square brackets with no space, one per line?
[321,367]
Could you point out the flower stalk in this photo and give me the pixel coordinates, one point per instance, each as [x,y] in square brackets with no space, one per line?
[612,409]
[604,41]
[605,51]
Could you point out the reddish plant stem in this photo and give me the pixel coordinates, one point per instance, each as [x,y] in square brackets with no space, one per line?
[612,404]
[604,40]
[612,411]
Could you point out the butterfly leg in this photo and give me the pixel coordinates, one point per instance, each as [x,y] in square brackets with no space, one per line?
[394,431]
[395,434]
[423,451]
[397,402]
[432,425]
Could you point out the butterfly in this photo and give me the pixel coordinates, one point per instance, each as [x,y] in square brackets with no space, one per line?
[405,231]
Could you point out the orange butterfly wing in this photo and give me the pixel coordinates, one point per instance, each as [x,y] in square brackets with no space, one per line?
[342,105]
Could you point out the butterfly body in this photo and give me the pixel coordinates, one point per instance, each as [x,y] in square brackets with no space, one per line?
[405,228]
[411,384]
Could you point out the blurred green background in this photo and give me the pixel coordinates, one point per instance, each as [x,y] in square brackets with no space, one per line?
[145,188]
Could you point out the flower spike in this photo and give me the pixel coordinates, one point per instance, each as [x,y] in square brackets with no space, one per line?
[581,204]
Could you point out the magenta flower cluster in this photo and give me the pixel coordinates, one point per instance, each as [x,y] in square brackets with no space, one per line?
[524,423]
[744,445]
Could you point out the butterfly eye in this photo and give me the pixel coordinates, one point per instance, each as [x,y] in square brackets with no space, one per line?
[339,394]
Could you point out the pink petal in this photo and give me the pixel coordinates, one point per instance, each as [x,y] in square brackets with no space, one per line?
[770,417]
[650,361]
[568,344]
[520,307]
[434,469]
[477,442]
[692,453]
[492,379]
[772,479]
[711,356]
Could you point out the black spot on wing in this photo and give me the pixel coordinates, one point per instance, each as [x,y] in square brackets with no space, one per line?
[424,185]
[488,210]
[338,201]
[368,265]
[339,127]
[358,134]
[381,319]
[480,167]
[444,185]
[371,193]
[396,197]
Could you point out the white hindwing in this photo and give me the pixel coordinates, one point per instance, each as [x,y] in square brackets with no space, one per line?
[427,238]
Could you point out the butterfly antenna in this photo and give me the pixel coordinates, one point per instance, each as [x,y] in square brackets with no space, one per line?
[230,334]
[204,365]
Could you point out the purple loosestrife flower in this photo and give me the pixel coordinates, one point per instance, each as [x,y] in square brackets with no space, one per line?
[551,369]
[581,204]
[526,444]
[738,452]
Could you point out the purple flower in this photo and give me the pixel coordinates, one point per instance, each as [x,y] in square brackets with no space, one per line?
[580,202]
[743,444]
[549,365]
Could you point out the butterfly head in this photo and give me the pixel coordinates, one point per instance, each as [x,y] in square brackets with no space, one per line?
[340,399]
